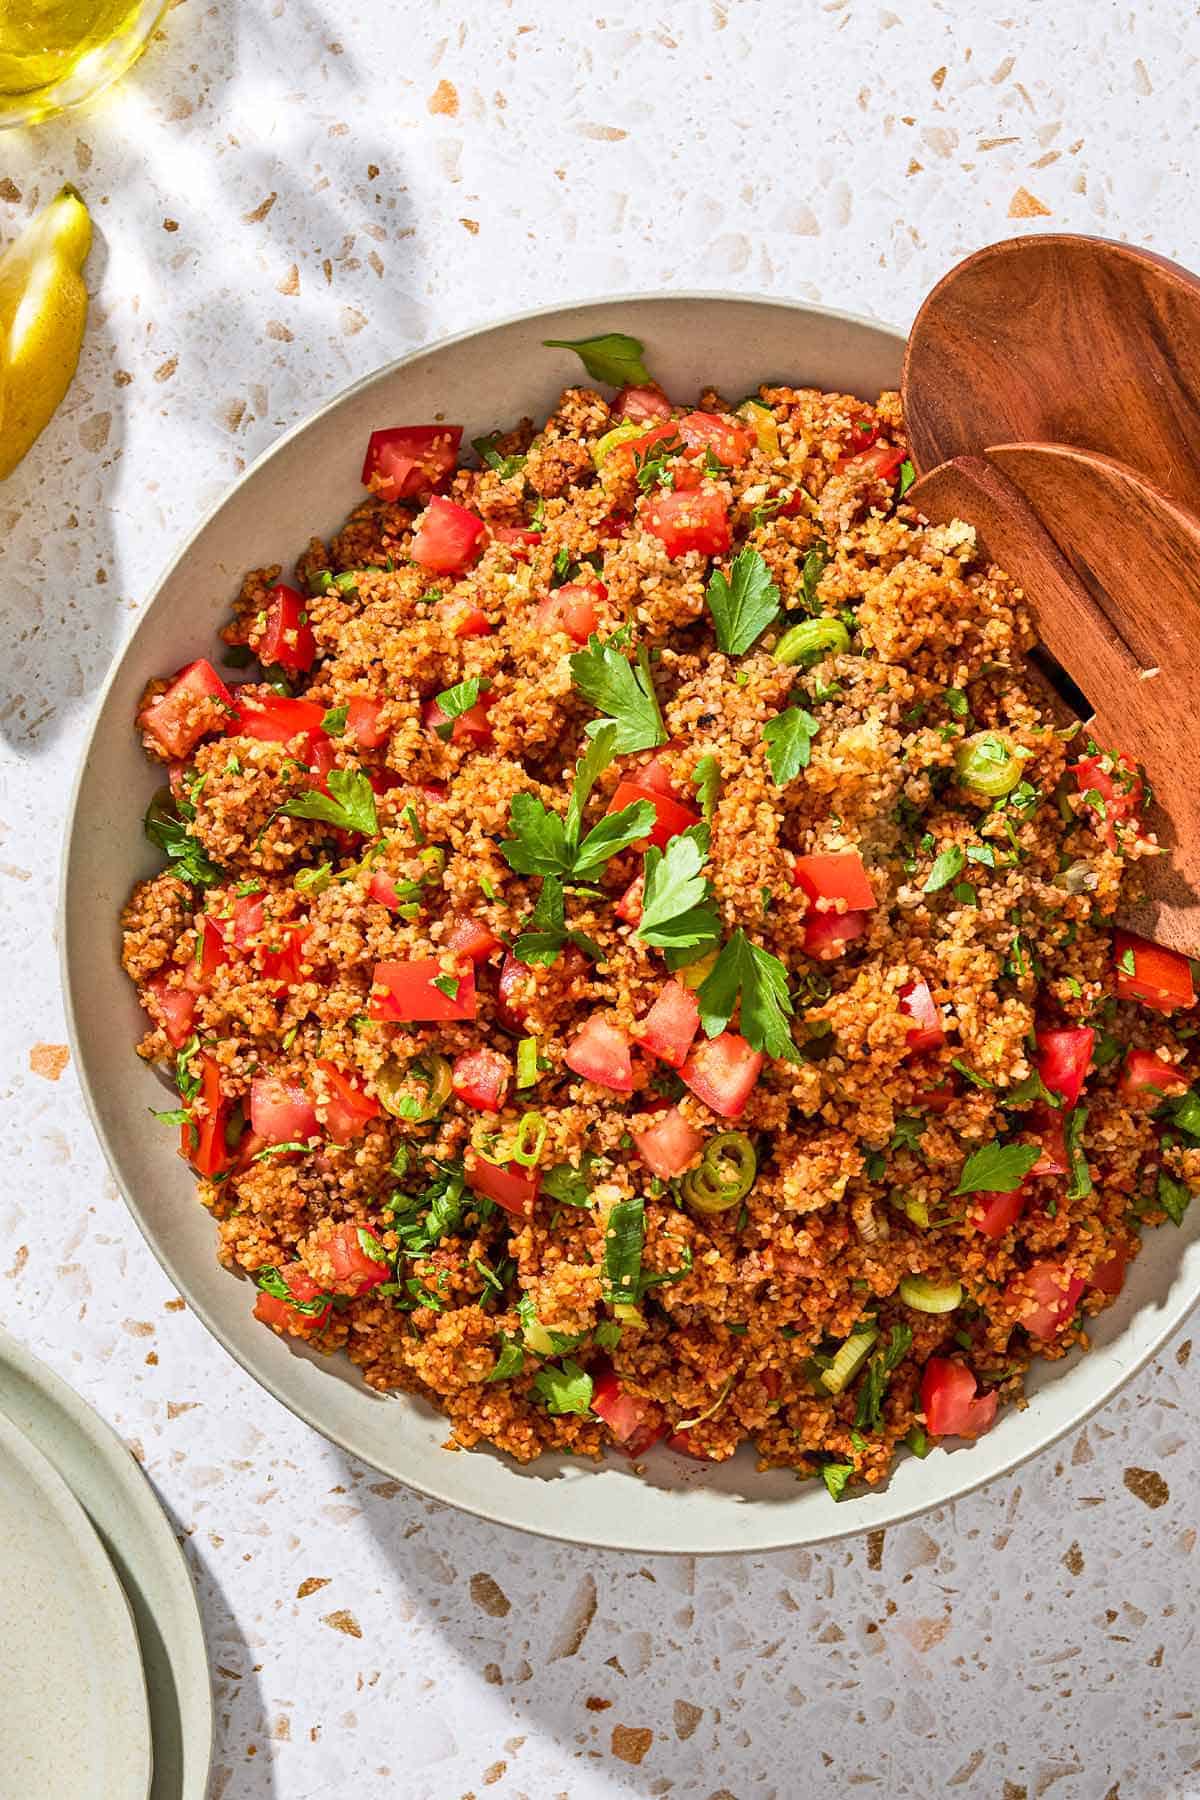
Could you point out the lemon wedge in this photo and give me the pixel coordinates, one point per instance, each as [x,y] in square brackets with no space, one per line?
[43,308]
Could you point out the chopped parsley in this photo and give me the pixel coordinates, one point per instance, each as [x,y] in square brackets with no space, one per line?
[349,805]
[334,722]
[1173,1196]
[997,1168]
[1079,1181]
[622,690]
[677,909]
[510,1360]
[869,1410]
[747,972]
[505,466]
[707,777]
[788,738]
[166,825]
[907,476]
[947,867]
[566,1389]
[743,603]
[835,1476]
[623,1281]
[547,843]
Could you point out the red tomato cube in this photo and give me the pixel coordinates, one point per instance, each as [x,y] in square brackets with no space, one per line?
[1044,1297]
[881,462]
[202,1140]
[344,1262]
[408,460]
[462,618]
[405,992]
[1158,977]
[480,1079]
[639,404]
[447,538]
[173,1009]
[634,1421]
[572,609]
[470,937]
[1109,1276]
[282,1112]
[721,1072]
[281,1316]
[925,1032]
[347,1109]
[685,521]
[1150,1078]
[1063,1060]
[826,935]
[363,721]
[950,1403]
[731,444]
[671,1024]
[599,1052]
[287,637]
[629,906]
[274,718]
[508,1184]
[834,881]
[1048,1128]
[994,1213]
[195,704]
[670,1145]
[670,816]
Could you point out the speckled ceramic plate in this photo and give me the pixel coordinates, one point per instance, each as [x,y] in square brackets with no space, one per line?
[306,484]
[74,1723]
[137,1535]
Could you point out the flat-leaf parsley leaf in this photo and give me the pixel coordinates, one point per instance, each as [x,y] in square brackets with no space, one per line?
[743,603]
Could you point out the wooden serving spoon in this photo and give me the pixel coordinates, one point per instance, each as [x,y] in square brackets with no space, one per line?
[1108,565]
[1061,339]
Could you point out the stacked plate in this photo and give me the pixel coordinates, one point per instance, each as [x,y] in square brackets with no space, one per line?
[102,1661]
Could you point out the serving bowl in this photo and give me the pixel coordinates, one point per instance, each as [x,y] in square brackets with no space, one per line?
[306,483]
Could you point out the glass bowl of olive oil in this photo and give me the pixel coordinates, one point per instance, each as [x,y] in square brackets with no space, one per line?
[55,53]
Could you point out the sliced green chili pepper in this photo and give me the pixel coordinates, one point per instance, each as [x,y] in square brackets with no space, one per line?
[725,1175]
[811,640]
[989,764]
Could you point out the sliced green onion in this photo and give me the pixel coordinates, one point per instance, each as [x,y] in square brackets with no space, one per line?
[347,581]
[320,582]
[849,1359]
[989,764]
[806,643]
[928,1296]
[530,1138]
[527,1062]
[725,1175]
[416,1091]
[761,421]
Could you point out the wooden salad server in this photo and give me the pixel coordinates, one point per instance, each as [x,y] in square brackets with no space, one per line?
[1110,567]
[1065,340]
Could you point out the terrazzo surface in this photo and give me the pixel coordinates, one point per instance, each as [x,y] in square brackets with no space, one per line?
[286,195]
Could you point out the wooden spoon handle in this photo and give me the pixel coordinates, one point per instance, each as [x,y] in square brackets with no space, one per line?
[1070,621]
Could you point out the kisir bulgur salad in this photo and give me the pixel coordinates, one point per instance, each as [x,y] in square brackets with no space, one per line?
[636,954]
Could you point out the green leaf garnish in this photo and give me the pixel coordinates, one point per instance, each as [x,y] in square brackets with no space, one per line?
[677,911]
[707,777]
[789,743]
[510,1360]
[746,971]
[334,722]
[907,476]
[835,1476]
[349,804]
[565,1390]
[166,828]
[1080,1176]
[997,1168]
[743,603]
[1173,1196]
[946,868]
[455,701]
[879,1372]
[612,357]
[505,466]
[622,690]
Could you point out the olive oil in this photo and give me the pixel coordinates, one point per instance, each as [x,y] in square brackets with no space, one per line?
[56,52]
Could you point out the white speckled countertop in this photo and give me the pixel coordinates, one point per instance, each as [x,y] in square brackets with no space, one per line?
[288,193]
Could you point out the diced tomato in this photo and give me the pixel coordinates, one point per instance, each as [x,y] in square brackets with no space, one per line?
[1044,1296]
[925,1032]
[653,773]
[629,906]
[462,618]
[447,538]
[384,780]
[1048,1128]
[355,1271]
[1120,787]
[518,538]
[730,444]
[635,1422]
[404,992]
[950,1403]
[203,1142]
[470,727]
[346,1107]
[200,970]
[835,878]
[1064,1058]
[242,924]
[826,935]
[282,1112]
[721,1072]
[274,718]
[176,1006]
[994,1213]
[684,1444]
[511,1007]
[1158,977]
[641,403]
[572,609]
[938,1099]
[304,1290]
[382,888]
[1109,1277]
[685,521]
[194,704]
[282,964]
[470,937]
[670,1145]
[599,1052]
[881,462]
[287,637]
[480,1079]
[670,816]
[508,1184]
[363,721]
[1148,1077]
[864,431]
[671,1024]
[407,460]
[319,755]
